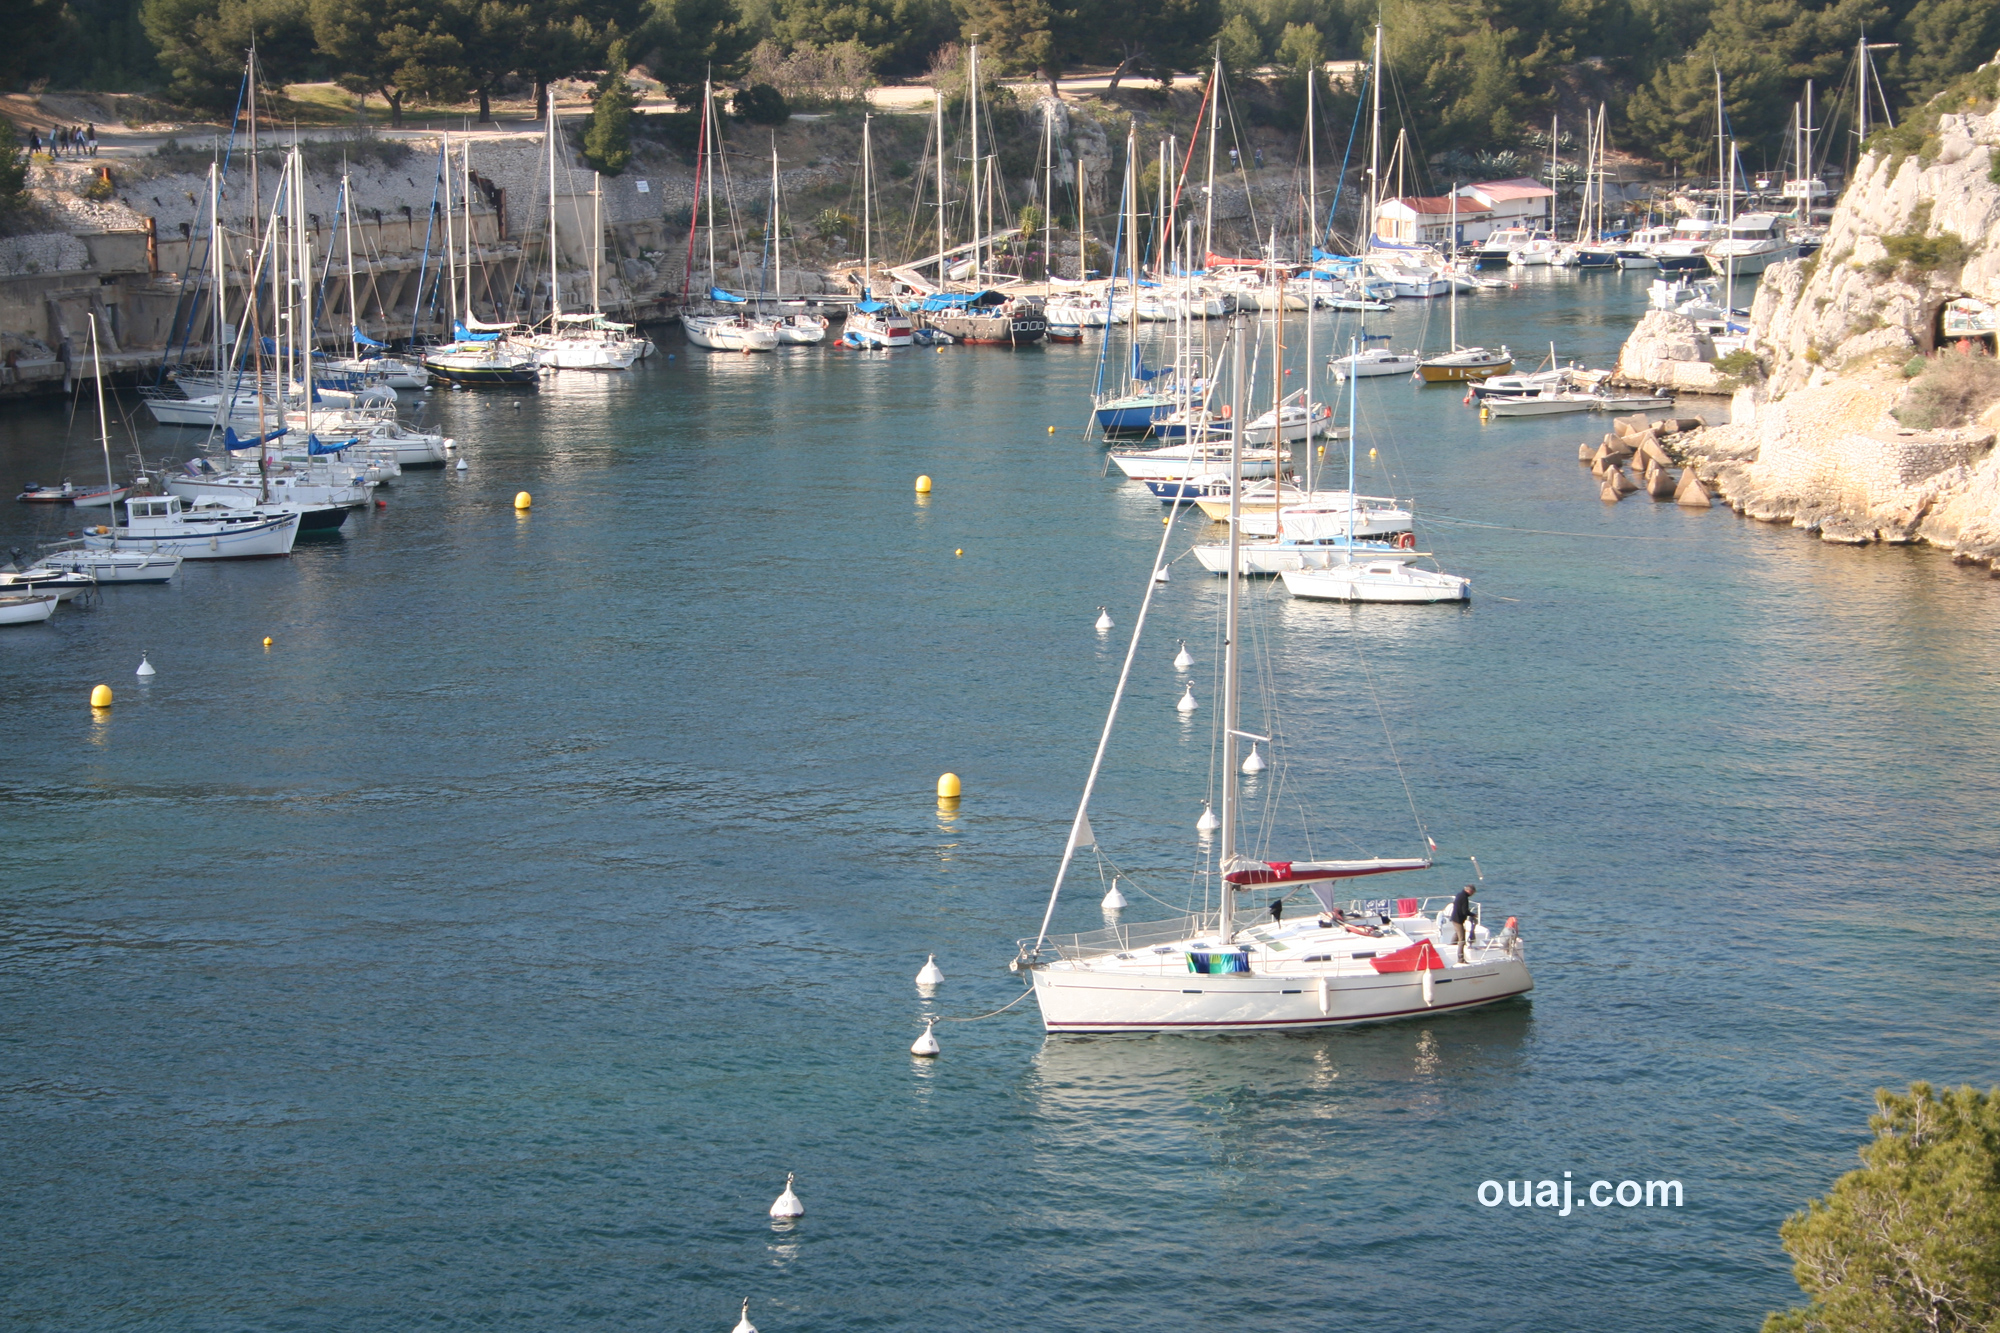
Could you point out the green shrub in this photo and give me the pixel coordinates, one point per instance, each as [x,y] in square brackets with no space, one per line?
[1738,363]
[760,104]
[1914,367]
[1953,388]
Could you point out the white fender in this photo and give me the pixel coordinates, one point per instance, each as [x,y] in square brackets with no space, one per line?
[1427,988]
[1326,996]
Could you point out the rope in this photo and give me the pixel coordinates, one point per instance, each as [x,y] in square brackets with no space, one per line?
[976,1017]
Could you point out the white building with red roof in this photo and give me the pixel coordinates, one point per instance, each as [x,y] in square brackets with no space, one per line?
[1427,220]
[1521,202]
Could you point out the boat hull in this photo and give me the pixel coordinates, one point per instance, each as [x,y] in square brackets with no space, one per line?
[209,541]
[116,566]
[1080,1000]
[1433,373]
[1372,583]
[992,330]
[30,609]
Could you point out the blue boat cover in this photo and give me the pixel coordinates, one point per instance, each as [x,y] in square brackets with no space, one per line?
[717,294]
[363,340]
[462,334]
[231,440]
[870,306]
[315,445]
[961,300]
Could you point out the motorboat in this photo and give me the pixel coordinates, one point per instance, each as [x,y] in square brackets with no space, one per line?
[1547,403]
[800,330]
[1465,363]
[876,324]
[87,497]
[27,608]
[1502,242]
[1378,579]
[1688,245]
[39,578]
[985,318]
[1638,249]
[111,565]
[1533,254]
[1290,423]
[1372,362]
[161,523]
[1753,243]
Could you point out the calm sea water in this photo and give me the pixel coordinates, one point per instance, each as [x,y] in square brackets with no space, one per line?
[486,952]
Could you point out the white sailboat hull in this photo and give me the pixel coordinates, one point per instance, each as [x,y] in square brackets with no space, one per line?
[729,335]
[1377,581]
[198,540]
[1079,999]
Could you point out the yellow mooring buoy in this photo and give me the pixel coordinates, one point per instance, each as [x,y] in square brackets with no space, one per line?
[267,641]
[523,500]
[101,698]
[923,485]
[948,786]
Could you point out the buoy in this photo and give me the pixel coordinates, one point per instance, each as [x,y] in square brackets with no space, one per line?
[788,1204]
[267,641]
[461,465]
[743,1325]
[1255,762]
[931,974]
[923,485]
[1103,620]
[958,550]
[1187,703]
[926,1045]
[1160,575]
[523,500]
[1165,519]
[1183,659]
[1371,453]
[146,671]
[1052,430]
[1208,823]
[948,787]
[1114,901]
[517,407]
[100,697]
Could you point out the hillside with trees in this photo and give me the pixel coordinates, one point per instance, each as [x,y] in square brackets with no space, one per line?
[1465,76]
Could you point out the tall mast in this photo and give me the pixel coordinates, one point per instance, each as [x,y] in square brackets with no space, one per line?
[1374,144]
[707,119]
[1861,104]
[466,191]
[972,66]
[347,232]
[1132,240]
[1208,208]
[104,426]
[450,245]
[596,235]
[1451,274]
[1722,162]
[1312,181]
[555,289]
[215,264]
[1230,722]
[1160,220]
[937,111]
[1048,178]
[867,188]
[777,241]
[1309,394]
[1080,257]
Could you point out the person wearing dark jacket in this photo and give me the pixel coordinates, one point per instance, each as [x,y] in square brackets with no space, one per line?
[1461,919]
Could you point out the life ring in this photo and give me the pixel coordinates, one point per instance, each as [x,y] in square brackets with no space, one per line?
[1407,542]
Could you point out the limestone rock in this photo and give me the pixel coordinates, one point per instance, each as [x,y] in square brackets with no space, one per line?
[1662,343]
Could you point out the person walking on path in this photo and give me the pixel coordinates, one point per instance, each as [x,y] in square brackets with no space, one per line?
[90,137]
[1461,919]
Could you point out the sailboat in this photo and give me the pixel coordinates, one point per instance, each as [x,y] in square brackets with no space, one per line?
[872,323]
[479,353]
[1212,971]
[576,341]
[733,331]
[1462,363]
[1387,576]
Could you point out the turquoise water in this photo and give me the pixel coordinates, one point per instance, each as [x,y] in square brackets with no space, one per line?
[485,953]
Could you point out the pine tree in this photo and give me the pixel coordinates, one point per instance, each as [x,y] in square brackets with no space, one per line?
[607,142]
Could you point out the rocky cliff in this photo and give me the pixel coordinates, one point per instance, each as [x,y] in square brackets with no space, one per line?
[1861,421]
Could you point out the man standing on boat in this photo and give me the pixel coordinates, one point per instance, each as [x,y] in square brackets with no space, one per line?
[1461,918]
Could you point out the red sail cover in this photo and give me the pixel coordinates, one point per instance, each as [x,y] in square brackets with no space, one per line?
[1307,872]
[1419,957]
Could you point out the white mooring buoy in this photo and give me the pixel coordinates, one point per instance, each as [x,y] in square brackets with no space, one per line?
[1254,763]
[461,468]
[744,1325]
[146,671]
[1103,619]
[1160,575]
[1114,901]
[1208,823]
[926,1045]
[1187,703]
[1183,659]
[788,1204]
[931,975]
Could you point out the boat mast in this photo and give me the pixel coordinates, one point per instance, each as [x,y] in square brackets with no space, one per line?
[215,260]
[777,241]
[466,192]
[937,107]
[450,244]
[1132,243]
[1450,273]
[347,231]
[104,427]
[555,289]
[1374,146]
[597,233]
[1312,186]
[1353,398]
[1227,926]
[1860,107]
[867,217]
[1048,181]
[1208,208]
[707,118]
[972,80]
[1080,257]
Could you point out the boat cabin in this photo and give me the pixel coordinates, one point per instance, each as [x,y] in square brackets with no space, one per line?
[153,506]
[1757,227]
